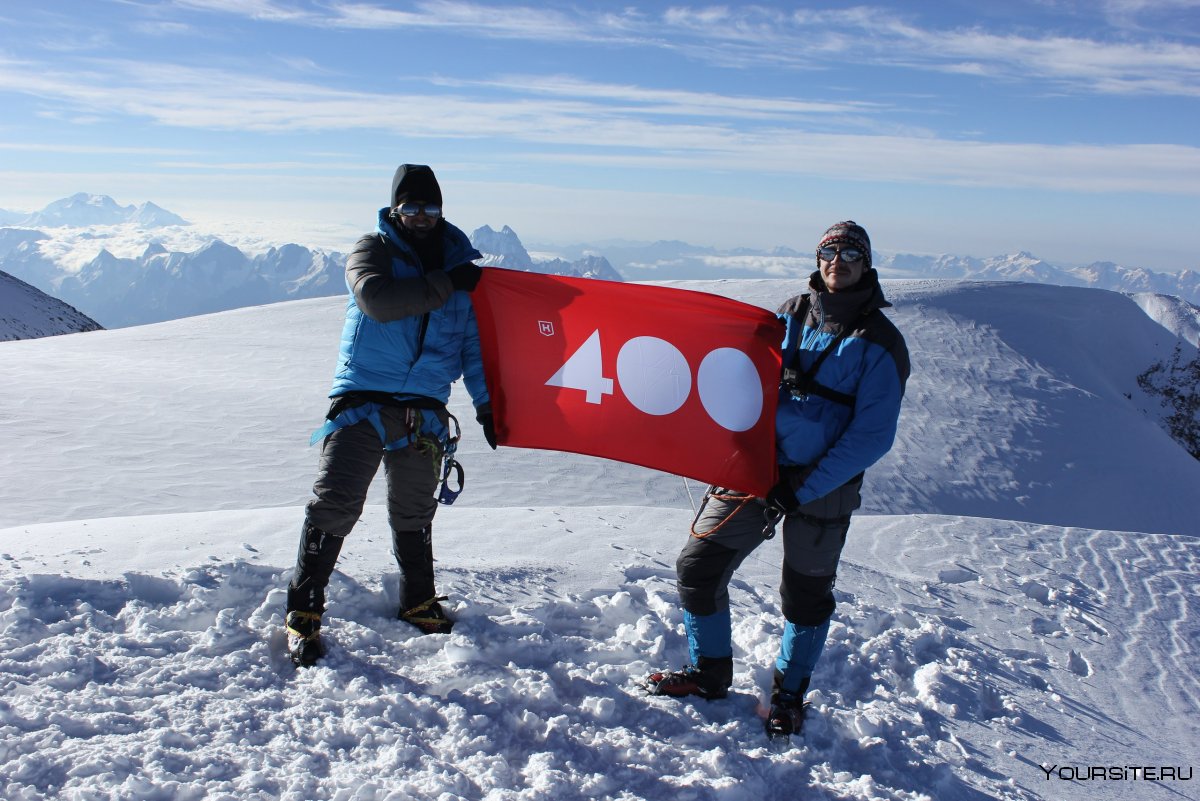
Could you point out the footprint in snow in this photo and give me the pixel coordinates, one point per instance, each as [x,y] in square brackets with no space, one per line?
[957,575]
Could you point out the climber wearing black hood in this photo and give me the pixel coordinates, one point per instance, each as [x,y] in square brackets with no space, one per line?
[410,332]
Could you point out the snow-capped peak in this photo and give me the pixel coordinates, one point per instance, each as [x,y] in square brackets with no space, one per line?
[82,210]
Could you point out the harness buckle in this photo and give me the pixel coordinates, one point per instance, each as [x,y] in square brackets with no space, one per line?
[791,382]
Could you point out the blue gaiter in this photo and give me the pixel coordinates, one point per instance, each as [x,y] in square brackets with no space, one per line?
[709,635]
[799,651]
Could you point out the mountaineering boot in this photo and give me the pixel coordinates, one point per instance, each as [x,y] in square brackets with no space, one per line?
[710,679]
[304,638]
[428,616]
[786,716]
[306,594]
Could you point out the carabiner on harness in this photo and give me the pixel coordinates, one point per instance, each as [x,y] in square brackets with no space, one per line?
[447,494]
[771,516]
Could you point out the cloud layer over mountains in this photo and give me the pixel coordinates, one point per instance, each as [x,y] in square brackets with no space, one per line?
[131,265]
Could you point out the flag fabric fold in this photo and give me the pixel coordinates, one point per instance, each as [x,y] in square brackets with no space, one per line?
[671,379]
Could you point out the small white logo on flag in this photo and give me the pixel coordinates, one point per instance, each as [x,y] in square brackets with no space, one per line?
[546,328]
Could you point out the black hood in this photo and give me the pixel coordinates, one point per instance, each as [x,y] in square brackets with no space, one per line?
[415,182]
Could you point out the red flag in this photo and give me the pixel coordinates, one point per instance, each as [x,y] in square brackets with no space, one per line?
[670,379]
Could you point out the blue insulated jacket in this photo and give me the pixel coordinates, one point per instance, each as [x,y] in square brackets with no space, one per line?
[868,367]
[408,333]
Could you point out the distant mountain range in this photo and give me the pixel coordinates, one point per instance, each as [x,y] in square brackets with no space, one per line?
[673,260]
[28,313]
[161,284]
[504,249]
[1027,267]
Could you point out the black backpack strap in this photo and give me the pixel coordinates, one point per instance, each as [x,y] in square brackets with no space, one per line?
[801,385]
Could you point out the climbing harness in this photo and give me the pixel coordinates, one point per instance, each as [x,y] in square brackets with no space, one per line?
[771,514]
[422,431]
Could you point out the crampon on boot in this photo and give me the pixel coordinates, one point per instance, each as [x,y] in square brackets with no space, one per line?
[304,638]
[786,716]
[429,616]
[711,680]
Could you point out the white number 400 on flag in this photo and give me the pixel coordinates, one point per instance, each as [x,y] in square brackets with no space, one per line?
[657,379]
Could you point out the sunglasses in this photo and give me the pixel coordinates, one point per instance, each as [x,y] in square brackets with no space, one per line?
[413,209]
[848,254]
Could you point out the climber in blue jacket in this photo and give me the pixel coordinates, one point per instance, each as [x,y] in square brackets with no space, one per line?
[845,366]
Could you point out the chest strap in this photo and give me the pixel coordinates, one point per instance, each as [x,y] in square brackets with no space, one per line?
[802,385]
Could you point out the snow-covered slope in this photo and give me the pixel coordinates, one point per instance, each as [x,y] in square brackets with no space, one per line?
[29,313]
[1016,409]
[1016,603]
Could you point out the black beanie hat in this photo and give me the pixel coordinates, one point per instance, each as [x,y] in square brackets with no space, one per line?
[850,233]
[415,182]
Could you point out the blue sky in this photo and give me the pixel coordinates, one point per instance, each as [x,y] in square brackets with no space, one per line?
[1068,128]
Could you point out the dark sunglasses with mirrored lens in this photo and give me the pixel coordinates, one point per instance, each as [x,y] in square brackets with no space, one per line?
[848,254]
[413,209]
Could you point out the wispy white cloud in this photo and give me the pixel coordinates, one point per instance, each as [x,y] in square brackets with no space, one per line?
[882,37]
[1152,68]
[1128,13]
[255,9]
[218,99]
[603,124]
[1142,6]
[1153,169]
[744,36]
[163,28]
[333,162]
[516,22]
[40,147]
[636,99]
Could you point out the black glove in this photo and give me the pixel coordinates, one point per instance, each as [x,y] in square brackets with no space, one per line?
[465,277]
[783,497]
[489,427]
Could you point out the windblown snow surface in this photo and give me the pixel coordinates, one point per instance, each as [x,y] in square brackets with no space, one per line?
[1017,599]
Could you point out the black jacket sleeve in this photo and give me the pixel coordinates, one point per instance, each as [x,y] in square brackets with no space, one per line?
[383,297]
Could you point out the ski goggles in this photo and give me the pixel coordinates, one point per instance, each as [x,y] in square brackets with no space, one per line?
[848,254]
[413,209]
